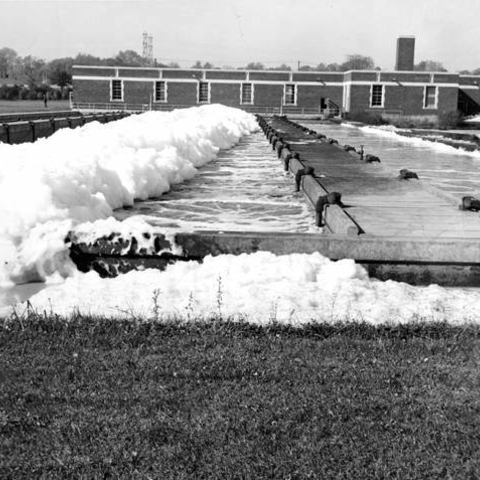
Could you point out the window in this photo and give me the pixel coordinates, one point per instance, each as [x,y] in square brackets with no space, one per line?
[430,100]
[247,93]
[116,90]
[290,94]
[377,96]
[160,92]
[203,92]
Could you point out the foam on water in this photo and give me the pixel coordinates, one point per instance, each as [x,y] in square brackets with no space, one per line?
[244,189]
[82,175]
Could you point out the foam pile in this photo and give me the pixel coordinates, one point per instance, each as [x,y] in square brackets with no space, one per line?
[81,175]
[261,287]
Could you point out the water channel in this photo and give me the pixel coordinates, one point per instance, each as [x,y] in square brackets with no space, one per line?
[243,189]
[451,170]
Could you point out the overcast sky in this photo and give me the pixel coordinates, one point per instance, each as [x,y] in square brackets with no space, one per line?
[235,32]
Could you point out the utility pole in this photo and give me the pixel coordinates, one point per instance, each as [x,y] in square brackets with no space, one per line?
[298,65]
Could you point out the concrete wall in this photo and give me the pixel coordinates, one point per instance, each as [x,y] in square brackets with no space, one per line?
[182,93]
[93,91]
[226,75]
[318,77]
[309,96]
[447,99]
[408,100]
[29,131]
[93,71]
[268,95]
[225,93]
[137,92]
[138,73]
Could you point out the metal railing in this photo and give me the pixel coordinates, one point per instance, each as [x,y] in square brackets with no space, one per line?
[109,107]
[332,109]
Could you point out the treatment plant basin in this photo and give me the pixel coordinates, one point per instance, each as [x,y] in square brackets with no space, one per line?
[244,189]
[452,170]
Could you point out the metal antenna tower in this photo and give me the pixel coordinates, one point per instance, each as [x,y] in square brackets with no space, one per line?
[147,44]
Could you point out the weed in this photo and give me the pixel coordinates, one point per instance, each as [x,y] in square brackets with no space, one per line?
[219,297]
[156,303]
[189,308]
[272,318]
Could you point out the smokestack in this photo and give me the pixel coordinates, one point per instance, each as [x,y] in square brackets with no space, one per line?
[405,53]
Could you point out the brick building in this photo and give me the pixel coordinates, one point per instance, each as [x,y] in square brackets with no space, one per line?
[396,93]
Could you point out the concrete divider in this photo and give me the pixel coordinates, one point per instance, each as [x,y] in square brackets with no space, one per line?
[336,220]
[334,217]
[339,221]
[31,130]
[454,261]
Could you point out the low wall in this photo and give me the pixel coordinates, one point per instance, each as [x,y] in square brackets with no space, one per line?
[31,130]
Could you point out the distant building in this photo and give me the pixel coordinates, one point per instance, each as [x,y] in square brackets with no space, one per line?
[400,92]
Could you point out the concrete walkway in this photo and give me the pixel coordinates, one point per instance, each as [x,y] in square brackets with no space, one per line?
[379,202]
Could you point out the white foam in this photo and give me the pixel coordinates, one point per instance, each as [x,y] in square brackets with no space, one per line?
[419,142]
[261,287]
[81,175]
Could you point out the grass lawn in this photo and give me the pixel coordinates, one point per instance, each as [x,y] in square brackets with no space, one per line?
[92,398]
[25,106]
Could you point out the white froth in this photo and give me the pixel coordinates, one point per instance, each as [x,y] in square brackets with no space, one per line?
[391,132]
[81,175]
[262,287]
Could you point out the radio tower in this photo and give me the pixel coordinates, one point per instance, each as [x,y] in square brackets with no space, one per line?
[147,48]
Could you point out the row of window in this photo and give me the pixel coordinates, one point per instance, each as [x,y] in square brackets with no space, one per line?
[377,97]
[160,92]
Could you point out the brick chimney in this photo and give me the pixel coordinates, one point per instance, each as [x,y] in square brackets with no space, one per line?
[405,53]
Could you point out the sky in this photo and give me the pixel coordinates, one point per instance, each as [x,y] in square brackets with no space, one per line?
[236,32]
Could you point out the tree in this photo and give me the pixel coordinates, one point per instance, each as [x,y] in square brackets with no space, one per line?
[32,68]
[173,65]
[61,72]
[357,62]
[198,64]
[87,59]
[255,66]
[283,66]
[333,67]
[307,68]
[8,58]
[429,66]
[129,58]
